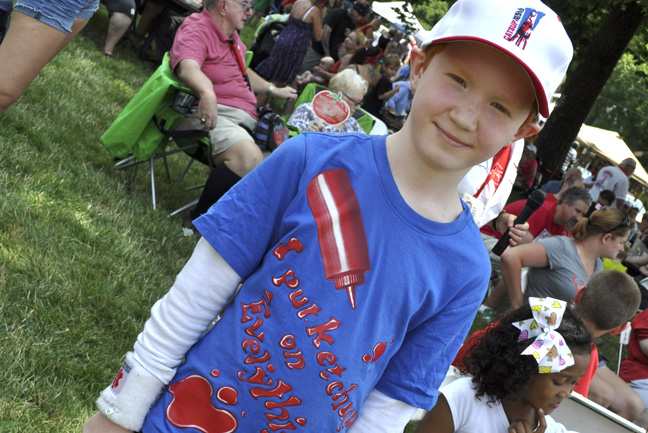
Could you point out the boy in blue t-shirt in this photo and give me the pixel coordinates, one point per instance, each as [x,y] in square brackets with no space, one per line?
[361,269]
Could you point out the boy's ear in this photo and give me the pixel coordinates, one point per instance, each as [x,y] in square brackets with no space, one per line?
[417,57]
[619,329]
[526,130]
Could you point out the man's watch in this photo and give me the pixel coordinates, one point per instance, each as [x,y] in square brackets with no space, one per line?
[271,88]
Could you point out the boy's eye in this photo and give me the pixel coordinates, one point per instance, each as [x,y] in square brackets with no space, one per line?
[458,80]
[500,107]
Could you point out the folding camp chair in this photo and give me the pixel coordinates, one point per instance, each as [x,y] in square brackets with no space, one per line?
[624,339]
[145,127]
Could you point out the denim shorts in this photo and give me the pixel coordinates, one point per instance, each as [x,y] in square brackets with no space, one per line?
[59,14]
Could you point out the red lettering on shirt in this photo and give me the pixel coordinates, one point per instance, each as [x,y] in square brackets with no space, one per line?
[257,378]
[293,245]
[288,278]
[255,348]
[320,331]
[312,310]
[255,307]
[296,303]
[255,326]
[278,391]
[329,357]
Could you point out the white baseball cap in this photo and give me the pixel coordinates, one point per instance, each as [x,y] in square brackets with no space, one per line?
[526,30]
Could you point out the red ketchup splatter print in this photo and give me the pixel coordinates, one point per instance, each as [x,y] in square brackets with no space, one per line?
[378,351]
[192,407]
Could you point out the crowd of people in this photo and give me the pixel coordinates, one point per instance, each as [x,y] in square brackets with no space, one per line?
[320,317]
[561,251]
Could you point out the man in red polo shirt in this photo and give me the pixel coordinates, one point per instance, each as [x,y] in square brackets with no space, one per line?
[208,56]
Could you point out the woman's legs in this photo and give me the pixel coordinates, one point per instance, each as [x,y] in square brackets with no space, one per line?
[21,62]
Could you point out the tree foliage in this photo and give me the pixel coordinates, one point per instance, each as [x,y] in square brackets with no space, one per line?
[622,105]
[430,11]
[585,82]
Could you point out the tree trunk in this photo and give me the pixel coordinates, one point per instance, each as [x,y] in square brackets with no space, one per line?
[586,82]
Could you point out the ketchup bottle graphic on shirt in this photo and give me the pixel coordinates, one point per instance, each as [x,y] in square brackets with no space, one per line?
[340,230]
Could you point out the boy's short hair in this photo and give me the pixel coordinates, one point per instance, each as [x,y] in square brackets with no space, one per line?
[526,30]
[608,196]
[611,298]
[391,60]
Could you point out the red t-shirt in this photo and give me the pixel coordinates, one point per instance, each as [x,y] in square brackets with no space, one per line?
[541,223]
[525,170]
[582,387]
[363,25]
[635,365]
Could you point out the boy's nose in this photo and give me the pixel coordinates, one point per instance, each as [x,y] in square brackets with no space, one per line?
[465,115]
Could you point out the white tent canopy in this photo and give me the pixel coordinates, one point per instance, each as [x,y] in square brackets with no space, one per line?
[611,147]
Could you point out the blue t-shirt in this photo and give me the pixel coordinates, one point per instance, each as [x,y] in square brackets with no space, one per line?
[318,227]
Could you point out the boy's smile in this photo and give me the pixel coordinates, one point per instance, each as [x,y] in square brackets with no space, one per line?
[471,101]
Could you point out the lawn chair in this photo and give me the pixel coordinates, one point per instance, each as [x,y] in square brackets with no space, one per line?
[624,339]
[145,127]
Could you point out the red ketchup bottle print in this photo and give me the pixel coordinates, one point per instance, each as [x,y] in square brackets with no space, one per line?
[340,230]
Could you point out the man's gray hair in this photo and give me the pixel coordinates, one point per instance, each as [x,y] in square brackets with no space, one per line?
[574,194]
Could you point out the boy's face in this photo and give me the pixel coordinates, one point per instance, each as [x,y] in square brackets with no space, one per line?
[391,71]
[470,101]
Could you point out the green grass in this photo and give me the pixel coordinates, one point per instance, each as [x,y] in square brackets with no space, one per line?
[81,260]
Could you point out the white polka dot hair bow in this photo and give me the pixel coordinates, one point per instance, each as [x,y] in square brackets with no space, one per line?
[549,348]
